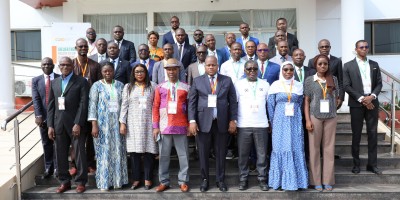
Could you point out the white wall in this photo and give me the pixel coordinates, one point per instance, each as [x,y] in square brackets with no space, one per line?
[382,9]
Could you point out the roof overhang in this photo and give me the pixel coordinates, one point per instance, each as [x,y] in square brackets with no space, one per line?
[38,4]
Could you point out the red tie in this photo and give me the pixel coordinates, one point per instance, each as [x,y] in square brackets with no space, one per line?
[47,89]
[262,68]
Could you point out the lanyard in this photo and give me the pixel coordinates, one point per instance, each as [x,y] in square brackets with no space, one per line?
[141,86]
[290,92]
[236,69]
[324,90]
[111,88]
[363,70]
[214,86]
[173,94]
[253,88]
[80,66]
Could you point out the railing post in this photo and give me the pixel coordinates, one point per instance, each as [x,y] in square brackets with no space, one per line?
[393,125]
[17,158]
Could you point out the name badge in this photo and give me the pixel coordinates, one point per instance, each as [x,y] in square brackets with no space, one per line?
[212,100]
[289,109]
[254,107]
[113,106]
[61,103]
[172,105]
[142,102]
[324,106]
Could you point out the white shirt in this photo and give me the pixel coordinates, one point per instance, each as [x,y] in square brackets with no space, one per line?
[147,62]
[183,46]
[99,56]
[200,67]
[298,69]
[365,72]
[213,53]
[51,77]
[92,48]
[245,40]
[120,43]
[233,69]
[250,94]
[115,63]
[173,36]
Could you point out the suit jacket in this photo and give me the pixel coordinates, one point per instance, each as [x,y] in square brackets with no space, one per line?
[226,54]
[39,95]
[150,68]
[193,72]
[188,54]
[307,72]
[76,96]
[93,72]
[122,72]
[95,57]
[227,107]
[168,38]
[239,40]
[159,73]
[335,67]
[127,50]
[352,82]
[271,73]
[292,42]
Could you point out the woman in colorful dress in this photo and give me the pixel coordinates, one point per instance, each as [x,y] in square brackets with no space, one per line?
[104,110]
[288,169]
[156,53]
[136,122]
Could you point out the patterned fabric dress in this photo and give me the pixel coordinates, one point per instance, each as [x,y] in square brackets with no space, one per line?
[138,119]
[110,144]
[288,167]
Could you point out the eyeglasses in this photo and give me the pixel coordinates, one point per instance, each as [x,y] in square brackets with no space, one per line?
[263,50]
[198,34]
[83,46]
[202,52]
[254,69]
[64,65]
[139,72]
[363,47]
[325,47]
[91,33]
[143,50]
[288,69]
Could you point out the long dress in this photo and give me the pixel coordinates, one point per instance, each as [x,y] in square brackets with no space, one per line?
[110,144]
[288,167]
[139,137]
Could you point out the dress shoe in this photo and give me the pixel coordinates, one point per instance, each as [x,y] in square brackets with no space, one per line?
[263,185]
[243,185]
[135,185]
[374,170]
[204,186]
[356,170]
[147,185]
[162,188]
[184,187]
[63,188]
[73,171]
[222,186]
[80,188]
[46,174]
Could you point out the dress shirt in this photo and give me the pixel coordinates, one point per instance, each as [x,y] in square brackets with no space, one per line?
[51,77]
[173,36]
[298,69]
[259,62]
[200,67]
[215,111]
[251,57]
[101,57]
[181,53]
[115,63]
[233,69]
[64,82]
[120,43]
[365,72]
[213,53]
[245,40]
[145,62]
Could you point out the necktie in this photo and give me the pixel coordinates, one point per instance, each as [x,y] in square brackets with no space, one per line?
[283,59]
[262,68]
[212,82]
[251,58]
[113,62]
[180,52]
[300,75]
[118,44]
[144,62]
[47,89]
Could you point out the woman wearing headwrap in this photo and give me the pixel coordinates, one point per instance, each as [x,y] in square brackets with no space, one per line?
[321,93]
[288,169]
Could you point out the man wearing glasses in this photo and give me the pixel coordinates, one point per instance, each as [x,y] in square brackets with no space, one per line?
[198,37]
[363,82]
[197,69]
[91,38]
[266,69]
[144,58]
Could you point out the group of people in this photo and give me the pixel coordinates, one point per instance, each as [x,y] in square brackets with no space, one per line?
[107,105]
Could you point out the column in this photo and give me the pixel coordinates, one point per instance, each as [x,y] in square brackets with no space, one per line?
[306,13]
[7,72]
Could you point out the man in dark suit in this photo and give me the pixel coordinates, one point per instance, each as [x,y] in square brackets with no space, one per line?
[169,37]
[363,82]
[101,45]
[335,66]
[121,66]
[66,119]
[212,51]
[244,30]
[144,58]
[293,43]
[212,114]
[198,37]
[183,51]
[40,96]
[126,48]
[251,49]
[159,73]
[279,36]
[230,38]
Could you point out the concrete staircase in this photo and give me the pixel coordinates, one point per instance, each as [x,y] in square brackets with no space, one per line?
[365,185]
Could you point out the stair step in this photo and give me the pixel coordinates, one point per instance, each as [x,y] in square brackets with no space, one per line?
[346,135]
[341,191]
[344,147]
[385,161]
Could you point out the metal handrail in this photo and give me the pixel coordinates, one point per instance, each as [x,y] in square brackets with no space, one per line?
[390,75]
[17,141]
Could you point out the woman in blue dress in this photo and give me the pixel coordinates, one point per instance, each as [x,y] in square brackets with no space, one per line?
[288,169]
[104,109]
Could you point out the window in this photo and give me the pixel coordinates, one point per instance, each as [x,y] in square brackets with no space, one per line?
[26,46]
[383,37]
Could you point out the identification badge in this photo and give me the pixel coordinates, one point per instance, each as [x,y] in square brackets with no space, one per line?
[172,105]
[254,107]
[324,106]
[61,103]
[212,100]
[113,106]
[142,103]
[289,109]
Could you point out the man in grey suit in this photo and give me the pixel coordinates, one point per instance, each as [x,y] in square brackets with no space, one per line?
[212,115]
[283,53]
[67,119]
[126,48]
[363,82]
[251,49]
[159,73]
[197,69]
[101,46]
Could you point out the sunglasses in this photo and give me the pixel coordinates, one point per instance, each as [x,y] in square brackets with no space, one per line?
[325,47]
[262,50]
[363,47]
[202,52]
[91,33]
[82,46]
[198,34]
[288,69]
[139,72]
[254,69]
[143,50]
